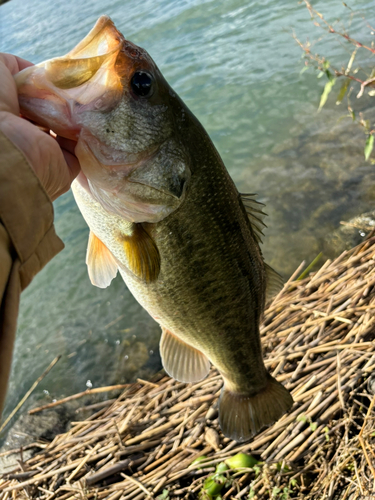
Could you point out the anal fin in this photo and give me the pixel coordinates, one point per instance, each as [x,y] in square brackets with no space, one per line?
[182,361]
[101,264]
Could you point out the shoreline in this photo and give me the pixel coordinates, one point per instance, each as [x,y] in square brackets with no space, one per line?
[318,339]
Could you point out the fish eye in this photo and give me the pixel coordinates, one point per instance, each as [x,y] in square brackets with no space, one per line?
[141,84]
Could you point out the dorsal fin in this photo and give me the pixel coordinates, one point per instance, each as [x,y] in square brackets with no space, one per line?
[274,282]
[101,264]
[255,214]
[142,254]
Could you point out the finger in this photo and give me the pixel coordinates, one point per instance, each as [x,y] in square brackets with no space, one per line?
[23,63]
[67,144]
[14,63]
[73,164]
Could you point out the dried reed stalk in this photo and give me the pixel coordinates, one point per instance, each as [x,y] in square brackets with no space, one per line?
[318,338]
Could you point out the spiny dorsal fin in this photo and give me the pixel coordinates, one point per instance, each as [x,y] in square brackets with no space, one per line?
[142,254]
[255,214]
[101,264]
[182,361]
[274,282]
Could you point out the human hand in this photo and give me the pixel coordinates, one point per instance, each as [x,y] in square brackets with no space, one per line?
[52,160]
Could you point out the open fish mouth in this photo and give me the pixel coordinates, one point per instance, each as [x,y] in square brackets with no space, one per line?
[56,92]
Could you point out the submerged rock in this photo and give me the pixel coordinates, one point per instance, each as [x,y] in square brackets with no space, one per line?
[350,233]
[31,428]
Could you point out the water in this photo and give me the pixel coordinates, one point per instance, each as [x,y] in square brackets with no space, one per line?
[237,67]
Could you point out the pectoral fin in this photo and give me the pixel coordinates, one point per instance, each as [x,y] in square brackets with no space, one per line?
[142,254]
[100,262]
[182,361]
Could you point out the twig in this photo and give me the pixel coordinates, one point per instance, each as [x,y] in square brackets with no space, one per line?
[96,390]
[35,384]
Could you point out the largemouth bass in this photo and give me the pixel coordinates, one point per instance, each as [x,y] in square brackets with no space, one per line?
[163,211]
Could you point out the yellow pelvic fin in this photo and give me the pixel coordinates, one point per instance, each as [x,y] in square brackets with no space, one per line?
[142,254]
[182,361]
[101,264]
[243,415]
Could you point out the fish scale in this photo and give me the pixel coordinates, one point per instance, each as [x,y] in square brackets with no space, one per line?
[164,212]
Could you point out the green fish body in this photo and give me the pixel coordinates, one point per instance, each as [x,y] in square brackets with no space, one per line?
[164,212]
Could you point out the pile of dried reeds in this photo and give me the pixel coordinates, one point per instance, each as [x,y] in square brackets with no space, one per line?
[318,340]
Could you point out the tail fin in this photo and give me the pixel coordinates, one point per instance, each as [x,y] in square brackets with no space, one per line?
[242,416]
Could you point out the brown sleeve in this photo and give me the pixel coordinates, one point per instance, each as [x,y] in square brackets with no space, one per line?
[27,242]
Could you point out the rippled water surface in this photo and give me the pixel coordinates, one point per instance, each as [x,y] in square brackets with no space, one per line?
[237,67]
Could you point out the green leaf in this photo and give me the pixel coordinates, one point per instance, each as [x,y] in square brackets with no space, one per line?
[257,470]
[251,494]
[351,60]
[329,75]
[214,484]
[343,90]
[327,89]
[280,467]
[305,68]
[221,467]
[163,496]
[275,492]
[369,146]
[302,418]
[313,426]
[326,433]
[285,494]
[241,460]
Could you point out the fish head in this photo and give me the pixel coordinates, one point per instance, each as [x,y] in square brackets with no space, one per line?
[109,96]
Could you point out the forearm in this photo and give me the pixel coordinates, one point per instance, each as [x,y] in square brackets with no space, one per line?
[27,242]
